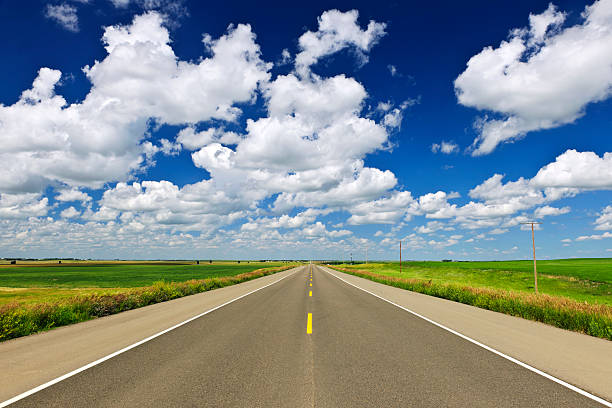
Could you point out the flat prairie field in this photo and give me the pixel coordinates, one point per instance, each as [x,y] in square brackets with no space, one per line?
[585,280]
[47,281]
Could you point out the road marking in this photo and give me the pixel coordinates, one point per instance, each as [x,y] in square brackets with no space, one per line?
[123,350]
[311,284]
[310,293]
[311,279]
[492,350]
[309,324]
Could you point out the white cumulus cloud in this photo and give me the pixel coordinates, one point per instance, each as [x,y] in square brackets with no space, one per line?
[604,221]
[444,147]
[73,195]
[542,77]
[70,212]
[550,211]
[595,237]
[99,140]
[16,206]
[573,169]
[337,30]
[65,15]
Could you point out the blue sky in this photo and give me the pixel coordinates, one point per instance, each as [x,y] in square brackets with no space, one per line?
[174,129]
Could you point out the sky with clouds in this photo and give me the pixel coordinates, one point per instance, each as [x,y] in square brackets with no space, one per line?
[148,129]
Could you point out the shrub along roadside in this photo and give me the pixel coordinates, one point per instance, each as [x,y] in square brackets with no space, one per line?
[594,320]
[22,320]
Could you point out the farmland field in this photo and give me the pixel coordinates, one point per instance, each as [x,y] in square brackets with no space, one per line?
[34,282]
[587,280]
[41,296]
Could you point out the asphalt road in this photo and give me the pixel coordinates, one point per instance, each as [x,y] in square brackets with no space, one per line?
[257,352]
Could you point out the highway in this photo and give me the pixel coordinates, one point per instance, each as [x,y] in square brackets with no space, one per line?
[309,340]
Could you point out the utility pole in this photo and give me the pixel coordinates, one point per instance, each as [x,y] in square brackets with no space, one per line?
[366,255]
[535,270]
[400,256]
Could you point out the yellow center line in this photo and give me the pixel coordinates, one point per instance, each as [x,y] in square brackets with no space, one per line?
[309,324]
[310,293]
[311,284]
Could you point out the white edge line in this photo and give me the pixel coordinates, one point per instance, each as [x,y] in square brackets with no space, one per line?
[123,350]
[492,350]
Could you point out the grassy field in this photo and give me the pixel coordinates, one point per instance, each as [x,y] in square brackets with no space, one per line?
[42,296]
[116,274]
[36,282]
[583,280]
[574,294]
[32,296]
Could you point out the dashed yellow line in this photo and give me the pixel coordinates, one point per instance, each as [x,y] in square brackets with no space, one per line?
[311,284]
[310,293]
[309,324]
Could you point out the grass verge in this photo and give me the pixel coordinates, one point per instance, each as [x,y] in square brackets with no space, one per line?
[18,320]
[592,319]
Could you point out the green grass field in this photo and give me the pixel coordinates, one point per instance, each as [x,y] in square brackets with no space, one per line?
[50,281]
[574,294]
[45,296]
[587,280]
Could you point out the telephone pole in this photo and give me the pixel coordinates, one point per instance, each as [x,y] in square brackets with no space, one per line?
[400,256]
[535,270]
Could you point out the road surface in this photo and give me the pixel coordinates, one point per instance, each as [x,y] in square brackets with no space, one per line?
[310,340]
